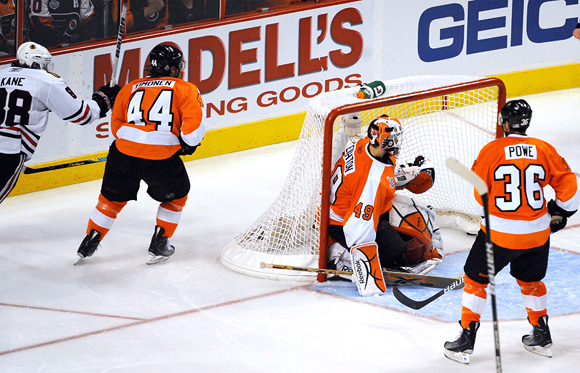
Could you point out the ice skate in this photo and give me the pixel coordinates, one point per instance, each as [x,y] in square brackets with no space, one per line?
[160,249]
[539,340]
[460,349]
[89,245]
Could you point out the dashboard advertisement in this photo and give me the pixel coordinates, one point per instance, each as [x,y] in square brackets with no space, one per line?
[268,67]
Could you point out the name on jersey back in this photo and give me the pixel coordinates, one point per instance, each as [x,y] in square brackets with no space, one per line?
[155,83]
[12,80]
[520,151]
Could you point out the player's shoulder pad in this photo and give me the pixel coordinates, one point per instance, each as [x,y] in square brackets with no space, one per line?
[53,74]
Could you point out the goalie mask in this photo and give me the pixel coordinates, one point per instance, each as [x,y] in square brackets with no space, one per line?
[34,56]
[386,132]
[517,113]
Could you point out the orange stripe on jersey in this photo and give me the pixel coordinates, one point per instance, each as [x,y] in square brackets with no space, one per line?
[151,113]
[516,169]
[84,116]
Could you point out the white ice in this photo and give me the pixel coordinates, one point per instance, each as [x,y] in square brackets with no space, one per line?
[114,313]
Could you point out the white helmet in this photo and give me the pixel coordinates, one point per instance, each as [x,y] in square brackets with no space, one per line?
[35,56]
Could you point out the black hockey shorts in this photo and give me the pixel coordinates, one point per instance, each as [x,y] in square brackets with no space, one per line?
[10,167]
[527,265]
[166,179]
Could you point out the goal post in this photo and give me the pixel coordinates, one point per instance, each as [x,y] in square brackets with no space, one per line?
[441,115]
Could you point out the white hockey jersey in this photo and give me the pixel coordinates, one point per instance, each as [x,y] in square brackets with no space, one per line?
[26,97]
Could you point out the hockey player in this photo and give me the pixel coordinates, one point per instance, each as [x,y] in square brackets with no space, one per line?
[516,168]
[576,32]
[144,14]
[62,22]
[363,186]
[155,120]
[28,92]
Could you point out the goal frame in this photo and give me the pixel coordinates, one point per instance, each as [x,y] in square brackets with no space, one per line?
[373,104]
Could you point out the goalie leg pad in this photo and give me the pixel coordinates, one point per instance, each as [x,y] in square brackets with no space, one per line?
[367,271]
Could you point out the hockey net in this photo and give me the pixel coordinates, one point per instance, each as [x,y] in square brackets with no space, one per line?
[442,116]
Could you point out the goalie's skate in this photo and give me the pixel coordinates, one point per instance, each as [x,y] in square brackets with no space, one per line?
[460,349]
[160,249]
[539,340]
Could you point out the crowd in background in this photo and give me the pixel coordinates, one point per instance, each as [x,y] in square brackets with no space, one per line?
[61,23]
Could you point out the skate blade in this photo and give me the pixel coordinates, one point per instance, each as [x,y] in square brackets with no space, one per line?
[460,357]
[544,351]
[79,260]
[154,259]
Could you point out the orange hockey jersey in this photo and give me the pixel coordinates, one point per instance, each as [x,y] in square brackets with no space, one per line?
[516,169]
[151,113]
[362,189]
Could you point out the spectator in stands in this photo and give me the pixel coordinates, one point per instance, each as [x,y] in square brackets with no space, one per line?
[8,26]
[186,11]
[143,14]
[576,32]
[241,6]
[61,22]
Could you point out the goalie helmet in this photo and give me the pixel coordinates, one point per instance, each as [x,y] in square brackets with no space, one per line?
[517,113]
[386,131]
[163,57]
[34,56]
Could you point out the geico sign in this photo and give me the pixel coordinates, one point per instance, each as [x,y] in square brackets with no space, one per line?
[241,50]
[461,26]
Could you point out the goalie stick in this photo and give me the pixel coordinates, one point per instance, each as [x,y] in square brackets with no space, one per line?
[391,278]
[418,304]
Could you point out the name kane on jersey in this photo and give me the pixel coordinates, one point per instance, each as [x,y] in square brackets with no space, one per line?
[12,80]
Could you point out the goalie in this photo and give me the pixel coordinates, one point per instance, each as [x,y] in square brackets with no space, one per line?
[370,227]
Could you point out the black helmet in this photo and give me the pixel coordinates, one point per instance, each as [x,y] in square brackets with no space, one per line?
[164,56]
[517,113]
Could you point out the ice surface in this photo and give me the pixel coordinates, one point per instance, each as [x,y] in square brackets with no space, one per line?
[190,314]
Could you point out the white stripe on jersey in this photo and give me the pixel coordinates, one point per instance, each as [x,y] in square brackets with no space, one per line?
[518,226]
[149,138]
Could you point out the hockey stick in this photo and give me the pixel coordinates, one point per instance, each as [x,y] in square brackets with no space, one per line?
[481,188]
[29,170]
[119,41]
[418,304]
[391,278]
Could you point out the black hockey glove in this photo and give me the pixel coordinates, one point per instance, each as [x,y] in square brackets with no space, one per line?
[559,216]
[105,98]
[185,148]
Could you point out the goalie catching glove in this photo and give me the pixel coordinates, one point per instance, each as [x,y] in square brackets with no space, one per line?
[416,178]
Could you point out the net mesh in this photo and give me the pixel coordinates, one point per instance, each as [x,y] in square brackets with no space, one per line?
[456,124]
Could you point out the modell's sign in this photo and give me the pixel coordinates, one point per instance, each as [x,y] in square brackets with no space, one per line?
[251,67]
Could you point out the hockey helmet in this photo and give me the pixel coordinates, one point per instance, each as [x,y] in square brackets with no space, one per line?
[35,56]
[386,131]
[517,113]
[163,57]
